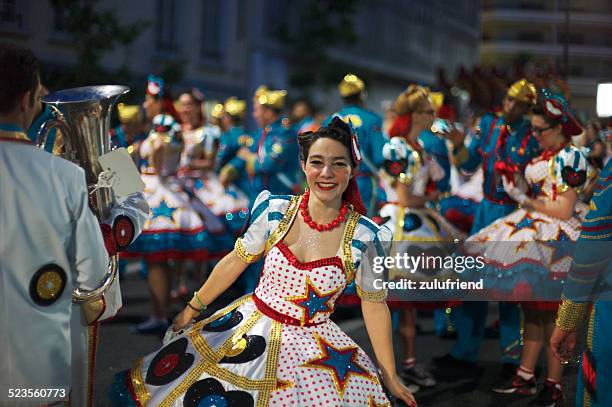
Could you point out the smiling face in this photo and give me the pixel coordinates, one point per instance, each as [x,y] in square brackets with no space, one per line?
[549,137]
[189,110]
[328,170]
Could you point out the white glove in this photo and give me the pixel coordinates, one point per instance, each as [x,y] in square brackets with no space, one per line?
[515,189]
[436,172]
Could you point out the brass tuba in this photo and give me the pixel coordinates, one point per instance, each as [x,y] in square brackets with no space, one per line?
[82,115]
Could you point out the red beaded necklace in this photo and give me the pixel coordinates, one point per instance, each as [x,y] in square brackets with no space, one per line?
[316,226]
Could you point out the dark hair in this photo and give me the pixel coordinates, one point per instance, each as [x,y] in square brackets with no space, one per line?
[336,130]
[539,111]
[195,95]
[354,99]
[306,102]
[19,73]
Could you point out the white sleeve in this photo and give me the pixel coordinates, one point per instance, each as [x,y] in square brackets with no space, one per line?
[252,244]
[370,271]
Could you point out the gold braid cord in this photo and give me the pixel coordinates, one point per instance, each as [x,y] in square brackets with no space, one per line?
[571,314]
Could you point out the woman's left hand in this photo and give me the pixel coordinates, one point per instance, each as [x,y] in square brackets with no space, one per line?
[399,390]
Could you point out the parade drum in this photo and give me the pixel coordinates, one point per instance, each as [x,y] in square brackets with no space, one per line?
[82,115]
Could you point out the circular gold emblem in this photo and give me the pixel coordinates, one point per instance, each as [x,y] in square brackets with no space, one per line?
[47,284]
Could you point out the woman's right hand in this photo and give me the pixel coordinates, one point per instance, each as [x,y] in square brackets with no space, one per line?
[455,136]
[183,319]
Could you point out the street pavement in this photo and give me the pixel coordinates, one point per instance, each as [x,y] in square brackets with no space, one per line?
[118,349]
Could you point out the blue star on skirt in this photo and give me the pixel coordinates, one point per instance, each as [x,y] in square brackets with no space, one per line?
[163,210]
[526,223]
[340,362]
[313,302]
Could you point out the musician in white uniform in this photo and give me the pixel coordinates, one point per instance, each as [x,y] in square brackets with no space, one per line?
[50,243]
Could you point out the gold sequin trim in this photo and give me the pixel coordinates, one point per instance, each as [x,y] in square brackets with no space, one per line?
[194,375]
[209,362]
[237,380]
[373,296]
[595,237]
[602,191]
[571,314]
[586,397]
[274,344]
[238,334]
[283,226]
[242,300]
[243,254]
[138,383]
[347,241]
[200,344]
[598,219]
[340,389]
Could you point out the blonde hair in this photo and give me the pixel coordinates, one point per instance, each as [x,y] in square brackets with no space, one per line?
[409,100]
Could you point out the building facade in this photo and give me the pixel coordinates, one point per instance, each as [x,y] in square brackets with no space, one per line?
[537,30]
[229,47]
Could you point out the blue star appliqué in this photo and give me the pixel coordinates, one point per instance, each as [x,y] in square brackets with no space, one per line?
[526,223]
[562,247]
[313,302]
[163,210]
[340,362]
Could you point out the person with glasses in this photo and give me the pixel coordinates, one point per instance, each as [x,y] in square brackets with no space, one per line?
[518,263]
[504,138]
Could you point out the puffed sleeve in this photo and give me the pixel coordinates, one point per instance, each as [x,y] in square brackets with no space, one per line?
[571,170]
[371,273]
[400,161]
[251,245]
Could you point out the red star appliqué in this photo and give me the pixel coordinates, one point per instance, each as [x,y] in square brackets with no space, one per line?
[526,223]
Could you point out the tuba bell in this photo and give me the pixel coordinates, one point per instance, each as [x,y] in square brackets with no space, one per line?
[82,115]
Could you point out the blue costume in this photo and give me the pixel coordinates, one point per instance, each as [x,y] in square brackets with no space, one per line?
[275,166]
[435,147]
[45,115]
[368,126]
[230,142]
[592,261]
[496,142]
[306,124]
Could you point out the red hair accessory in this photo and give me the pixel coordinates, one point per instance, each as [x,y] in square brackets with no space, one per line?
[401,126]
[355,151]
[556,107]
[351,194]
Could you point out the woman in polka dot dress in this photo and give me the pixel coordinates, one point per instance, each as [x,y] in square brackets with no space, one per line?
[277,346]
[523,255]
